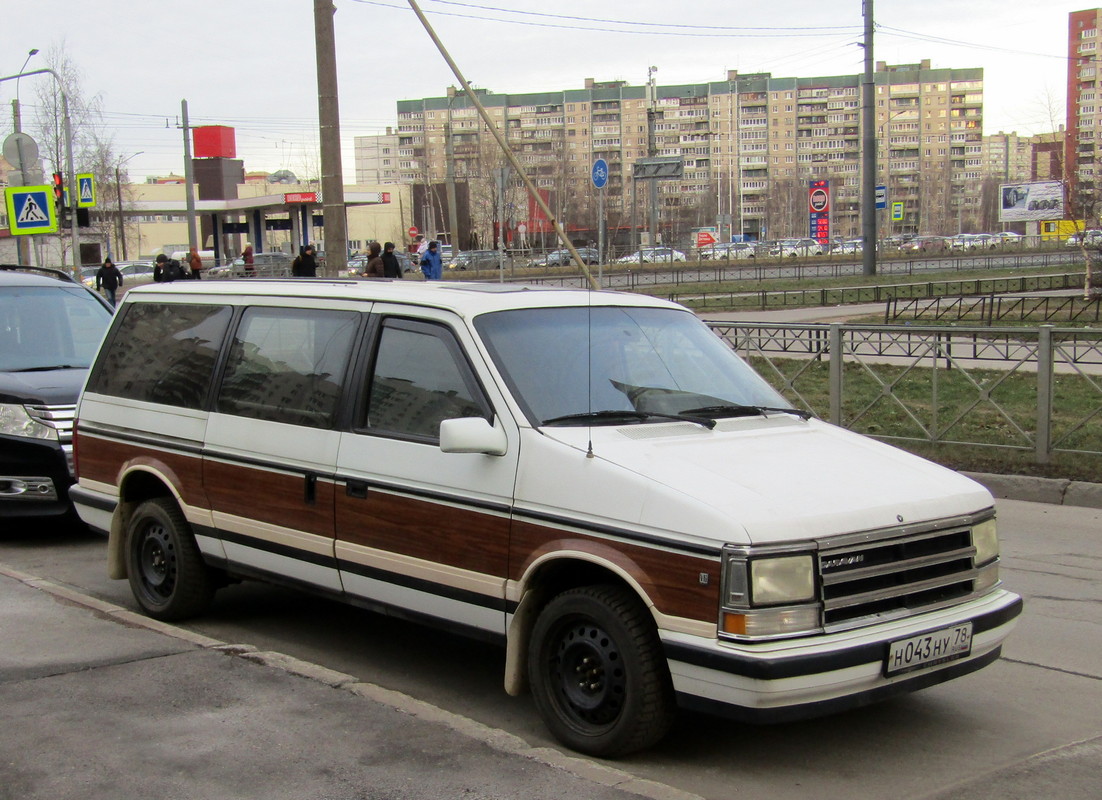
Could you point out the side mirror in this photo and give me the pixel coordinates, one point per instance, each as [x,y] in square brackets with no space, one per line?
[472,435]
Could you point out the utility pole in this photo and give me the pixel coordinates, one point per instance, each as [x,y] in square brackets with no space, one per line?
[868,152]
[329,123]
[449,155]
[189,179]
[652,151]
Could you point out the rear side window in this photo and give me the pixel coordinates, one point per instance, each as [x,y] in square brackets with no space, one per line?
[288,365]
[163,353]
[420,379]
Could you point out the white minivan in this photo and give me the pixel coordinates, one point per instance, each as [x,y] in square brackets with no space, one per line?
[593,479]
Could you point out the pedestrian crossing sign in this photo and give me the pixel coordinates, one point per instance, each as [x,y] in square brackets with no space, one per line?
[31,210]
[86,190]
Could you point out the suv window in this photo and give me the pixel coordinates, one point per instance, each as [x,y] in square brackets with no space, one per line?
[288,365]
[420,379]
[163,353]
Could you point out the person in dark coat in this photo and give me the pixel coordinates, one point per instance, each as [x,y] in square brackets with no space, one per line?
[375,265]
[306,265]
[391,267]
[167,270]
[109,279]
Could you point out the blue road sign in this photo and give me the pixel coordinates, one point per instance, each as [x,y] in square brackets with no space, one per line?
[881,196]
[86,190]
[31,210]
[600,173]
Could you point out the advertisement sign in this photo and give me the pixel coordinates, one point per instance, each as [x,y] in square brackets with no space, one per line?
[818,205]
[705,236]
[1022,202]
[300,197]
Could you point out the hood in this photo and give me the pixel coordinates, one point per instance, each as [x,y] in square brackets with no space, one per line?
[54,387]
[754,480]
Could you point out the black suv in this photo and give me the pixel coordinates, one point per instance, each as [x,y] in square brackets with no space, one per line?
[50,329]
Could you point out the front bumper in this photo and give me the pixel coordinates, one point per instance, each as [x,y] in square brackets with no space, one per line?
[34,479]
[801,678]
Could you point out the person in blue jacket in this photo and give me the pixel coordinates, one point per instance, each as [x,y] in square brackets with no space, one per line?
[431,265]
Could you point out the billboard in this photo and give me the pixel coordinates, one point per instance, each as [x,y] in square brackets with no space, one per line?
[1021,202]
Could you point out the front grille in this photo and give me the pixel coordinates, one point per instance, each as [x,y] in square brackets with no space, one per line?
[61,419]
[896,576]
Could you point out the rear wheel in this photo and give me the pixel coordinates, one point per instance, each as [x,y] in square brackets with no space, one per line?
[166,570]
[598,674]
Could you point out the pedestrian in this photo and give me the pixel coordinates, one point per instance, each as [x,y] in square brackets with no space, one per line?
[306,265]
[195,263]
[167,270]
[109,278]
[422,246]
[431,265]
[391,267]
[374,267]
[247,257]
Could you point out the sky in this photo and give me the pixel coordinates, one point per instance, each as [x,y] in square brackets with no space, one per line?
[250,64]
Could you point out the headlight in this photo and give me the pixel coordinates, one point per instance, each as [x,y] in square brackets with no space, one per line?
[986,541]
[769,596]
[15,421]
[783,580]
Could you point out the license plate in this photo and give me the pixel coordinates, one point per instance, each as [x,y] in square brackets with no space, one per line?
[928,649]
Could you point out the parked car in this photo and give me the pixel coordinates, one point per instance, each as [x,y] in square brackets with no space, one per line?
[726,251]
[475,259]
[652,255]
[847,247]
[924,244]
[598,481]
[133,272]
[50,328]
[1010,237]
[973,241]
[562,258]
[1090,238]
[793,248]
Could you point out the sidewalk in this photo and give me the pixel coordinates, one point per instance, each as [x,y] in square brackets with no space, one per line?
[100,702]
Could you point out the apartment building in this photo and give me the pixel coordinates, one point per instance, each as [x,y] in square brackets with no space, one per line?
[376,158]
[1084,111]
[749,145]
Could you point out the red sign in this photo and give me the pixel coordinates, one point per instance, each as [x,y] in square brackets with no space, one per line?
[818,206]
[705,238]
[384,197]
[300,197]
[413,231]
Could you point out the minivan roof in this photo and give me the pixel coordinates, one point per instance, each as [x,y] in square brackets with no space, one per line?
[467,298]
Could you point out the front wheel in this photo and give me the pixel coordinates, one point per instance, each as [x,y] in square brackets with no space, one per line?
[598,674]
[167,574]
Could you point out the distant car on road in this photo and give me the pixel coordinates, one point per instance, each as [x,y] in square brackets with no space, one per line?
[924,244]
[475,259]
[847,247]
[652,255]
[562,258]
[793,248]
[726,251]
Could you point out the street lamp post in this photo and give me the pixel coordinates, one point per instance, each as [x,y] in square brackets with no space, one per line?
[17,127]
[118,191]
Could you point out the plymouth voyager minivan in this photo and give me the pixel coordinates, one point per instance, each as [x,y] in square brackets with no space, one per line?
[592,478]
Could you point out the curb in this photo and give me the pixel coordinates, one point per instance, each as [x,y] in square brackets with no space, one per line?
[1056,491]
[502,741]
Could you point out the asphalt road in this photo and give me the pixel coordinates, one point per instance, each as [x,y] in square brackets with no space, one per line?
[1029,725]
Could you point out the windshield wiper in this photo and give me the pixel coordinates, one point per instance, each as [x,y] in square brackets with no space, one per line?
[739,410]
[46,369]
[613,416]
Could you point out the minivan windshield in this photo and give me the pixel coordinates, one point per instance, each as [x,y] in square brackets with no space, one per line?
[48,327]
[580,365]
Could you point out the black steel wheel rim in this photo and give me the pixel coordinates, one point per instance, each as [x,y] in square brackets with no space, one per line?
[587,674]
[157,561]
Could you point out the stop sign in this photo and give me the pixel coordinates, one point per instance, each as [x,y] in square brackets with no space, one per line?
[413,231]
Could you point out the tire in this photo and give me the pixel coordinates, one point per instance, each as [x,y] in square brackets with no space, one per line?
[167,574]
[625,701]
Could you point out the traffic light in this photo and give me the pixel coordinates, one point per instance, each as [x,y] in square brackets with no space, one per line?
[59,189]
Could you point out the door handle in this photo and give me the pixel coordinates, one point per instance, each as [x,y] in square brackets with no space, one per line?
[356,489]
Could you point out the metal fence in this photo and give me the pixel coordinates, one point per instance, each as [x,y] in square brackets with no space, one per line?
[1037,390]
